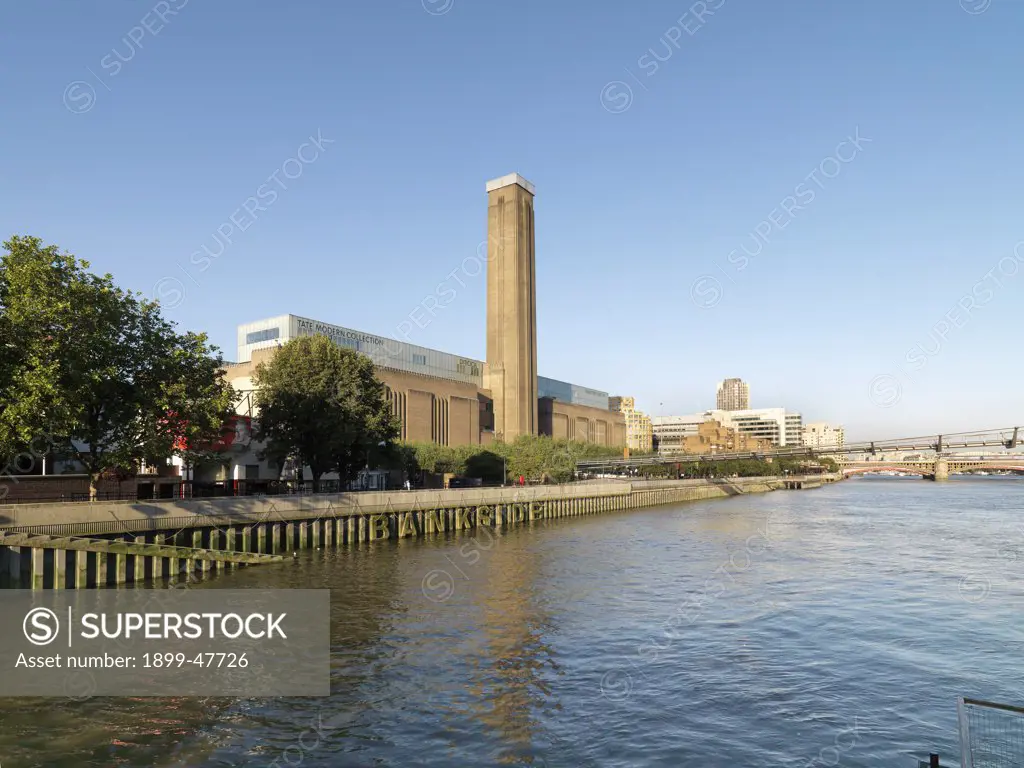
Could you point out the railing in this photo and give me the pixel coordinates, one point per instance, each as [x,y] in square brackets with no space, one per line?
[991,735]
[190,490]
[73,497]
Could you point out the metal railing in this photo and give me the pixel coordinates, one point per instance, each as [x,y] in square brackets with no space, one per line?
[991,734]
[62,498]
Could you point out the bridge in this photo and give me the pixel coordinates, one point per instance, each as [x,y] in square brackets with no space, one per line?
[937,467]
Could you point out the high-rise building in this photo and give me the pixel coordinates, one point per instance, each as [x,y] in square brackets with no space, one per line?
[511,370]
[733,395]
[820,434]
[639,430]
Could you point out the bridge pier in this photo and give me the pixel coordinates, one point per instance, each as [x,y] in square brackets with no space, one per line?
[941,473]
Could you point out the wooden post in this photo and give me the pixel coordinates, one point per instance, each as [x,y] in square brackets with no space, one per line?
[215,543]
[60,568]
[37,565]
[156,570]
[81,569]
[197,543]
[229,545]
[120,564]
[140,563]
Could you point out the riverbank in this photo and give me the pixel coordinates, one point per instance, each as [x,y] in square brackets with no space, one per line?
[51,552]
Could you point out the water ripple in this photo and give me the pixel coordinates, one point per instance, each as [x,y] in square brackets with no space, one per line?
[790,629]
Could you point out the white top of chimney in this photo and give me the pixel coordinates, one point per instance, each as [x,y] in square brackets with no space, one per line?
[508,181]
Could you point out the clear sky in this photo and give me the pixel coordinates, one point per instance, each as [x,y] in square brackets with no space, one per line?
[681,235]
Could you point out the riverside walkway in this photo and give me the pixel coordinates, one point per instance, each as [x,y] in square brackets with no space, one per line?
[42,545]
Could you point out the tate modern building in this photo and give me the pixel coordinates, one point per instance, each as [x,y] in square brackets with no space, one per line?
[451,399]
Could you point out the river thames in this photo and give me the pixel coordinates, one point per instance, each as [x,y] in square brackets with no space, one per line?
[795,628]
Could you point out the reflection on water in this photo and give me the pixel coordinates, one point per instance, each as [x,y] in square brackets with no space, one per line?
[509,692]
[776,630]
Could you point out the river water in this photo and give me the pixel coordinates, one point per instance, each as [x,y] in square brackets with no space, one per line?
[796,628]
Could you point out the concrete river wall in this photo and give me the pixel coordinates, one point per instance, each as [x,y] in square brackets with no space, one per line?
[81,545]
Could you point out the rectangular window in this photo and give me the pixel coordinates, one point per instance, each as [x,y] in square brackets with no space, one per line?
[419,359]
[265,335]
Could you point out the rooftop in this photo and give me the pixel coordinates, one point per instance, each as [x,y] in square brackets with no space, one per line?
[508,181]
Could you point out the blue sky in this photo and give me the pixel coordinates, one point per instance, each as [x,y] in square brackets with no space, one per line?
[662,139]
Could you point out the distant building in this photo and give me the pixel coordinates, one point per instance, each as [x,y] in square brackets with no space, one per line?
[671,431]
[710,437]
[733,395]
[775,425]
[821,434]
[639,430]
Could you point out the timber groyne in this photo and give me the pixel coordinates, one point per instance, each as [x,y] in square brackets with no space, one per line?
[82,545]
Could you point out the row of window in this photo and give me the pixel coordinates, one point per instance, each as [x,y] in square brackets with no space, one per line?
[267,334]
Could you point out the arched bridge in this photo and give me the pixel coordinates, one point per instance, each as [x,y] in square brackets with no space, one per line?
[934,469]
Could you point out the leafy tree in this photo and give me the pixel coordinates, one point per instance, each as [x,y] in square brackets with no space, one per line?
[200,403]
[322,405]
[438,459]
[828,463]
[96,368]
[487,465]
[370,426]
[400,456]
[537,458]
[40,292]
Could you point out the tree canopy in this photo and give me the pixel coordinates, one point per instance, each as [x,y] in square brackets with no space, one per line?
[536,458]
[96,369]
[779,465]
[322,405]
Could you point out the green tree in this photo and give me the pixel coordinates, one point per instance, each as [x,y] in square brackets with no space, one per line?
[96,368]
[322,405]
[200,402]
[41,291]
[402,456]
[828,463]
[486,465]
[438,459]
